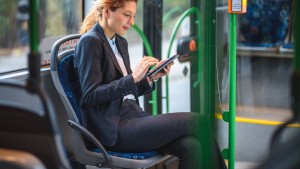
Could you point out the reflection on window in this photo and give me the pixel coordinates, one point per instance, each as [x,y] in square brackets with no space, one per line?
[264,63]
[58,17]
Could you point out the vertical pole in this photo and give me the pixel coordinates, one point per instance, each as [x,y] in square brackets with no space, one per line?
[295,88]
[33,22]
[232,89]
[34,59]
[152,27]
[206,73]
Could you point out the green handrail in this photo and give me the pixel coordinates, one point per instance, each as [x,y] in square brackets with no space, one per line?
[33,24]
[232,89]
[174,32]
[34,57]
[149,53]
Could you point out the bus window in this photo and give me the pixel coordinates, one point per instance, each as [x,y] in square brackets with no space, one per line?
[58,17]
[179,77]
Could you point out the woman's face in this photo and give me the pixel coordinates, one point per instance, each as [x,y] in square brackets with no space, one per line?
[120,20]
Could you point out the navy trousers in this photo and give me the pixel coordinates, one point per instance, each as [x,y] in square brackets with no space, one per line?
[177,134]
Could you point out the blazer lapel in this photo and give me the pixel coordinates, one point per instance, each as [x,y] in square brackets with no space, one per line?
[102,36]
[122,47]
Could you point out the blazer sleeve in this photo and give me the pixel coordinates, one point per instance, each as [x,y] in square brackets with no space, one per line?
[89,62]
[144,87]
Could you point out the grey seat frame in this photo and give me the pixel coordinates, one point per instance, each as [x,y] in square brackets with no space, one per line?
[81,153]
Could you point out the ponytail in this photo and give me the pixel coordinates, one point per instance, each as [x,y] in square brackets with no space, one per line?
[90,20]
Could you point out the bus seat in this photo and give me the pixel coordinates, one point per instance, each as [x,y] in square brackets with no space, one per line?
[65,83]
[265,25]
[13,159]
[27,123]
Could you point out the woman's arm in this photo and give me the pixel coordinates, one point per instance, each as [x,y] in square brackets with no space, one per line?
[97,76]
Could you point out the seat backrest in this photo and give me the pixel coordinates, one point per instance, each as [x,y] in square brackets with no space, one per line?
[27,123]
[67,86]
[69,82]
[62,73]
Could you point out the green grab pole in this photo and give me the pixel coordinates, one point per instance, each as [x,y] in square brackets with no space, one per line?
[297,36]
[174,32]
[232,89]
[150,53]
[33,25]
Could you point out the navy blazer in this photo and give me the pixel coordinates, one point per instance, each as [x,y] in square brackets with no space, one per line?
[102,83]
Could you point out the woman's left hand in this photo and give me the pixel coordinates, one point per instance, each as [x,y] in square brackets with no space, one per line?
[164,71]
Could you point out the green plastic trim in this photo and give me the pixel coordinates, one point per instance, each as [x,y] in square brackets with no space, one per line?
[149,53]
[225,152]
[225,116]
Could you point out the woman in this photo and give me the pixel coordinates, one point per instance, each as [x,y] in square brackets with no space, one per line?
[110,91]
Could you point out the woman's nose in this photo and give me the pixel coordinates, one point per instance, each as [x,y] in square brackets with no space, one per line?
[131,20]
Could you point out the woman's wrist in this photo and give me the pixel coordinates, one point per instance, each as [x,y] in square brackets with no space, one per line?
[152,79]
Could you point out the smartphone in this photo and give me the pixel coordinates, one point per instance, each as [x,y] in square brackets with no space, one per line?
[152,72]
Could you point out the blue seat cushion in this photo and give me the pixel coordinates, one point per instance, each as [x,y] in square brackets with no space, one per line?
[137,156]
[288,46]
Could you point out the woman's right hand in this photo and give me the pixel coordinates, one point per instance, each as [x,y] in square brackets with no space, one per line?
[142,68]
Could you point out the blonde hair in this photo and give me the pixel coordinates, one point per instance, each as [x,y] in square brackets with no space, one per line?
[95,13]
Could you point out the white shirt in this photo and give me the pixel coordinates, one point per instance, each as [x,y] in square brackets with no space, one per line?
[120,60]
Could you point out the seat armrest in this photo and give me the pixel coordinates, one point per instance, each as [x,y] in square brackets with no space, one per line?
[91,137]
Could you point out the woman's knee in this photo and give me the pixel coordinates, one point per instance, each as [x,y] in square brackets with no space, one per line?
[190,154]
[191,146]
[184,147]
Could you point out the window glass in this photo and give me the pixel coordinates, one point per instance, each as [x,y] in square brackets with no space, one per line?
[264,65]
[264,59]
[179,76]
[171,12]
[58,17]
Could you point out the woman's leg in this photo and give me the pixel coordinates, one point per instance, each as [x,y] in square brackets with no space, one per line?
[188,150]
[176,134]
[152,132]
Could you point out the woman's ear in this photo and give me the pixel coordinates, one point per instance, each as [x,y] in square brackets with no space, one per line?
[106,12]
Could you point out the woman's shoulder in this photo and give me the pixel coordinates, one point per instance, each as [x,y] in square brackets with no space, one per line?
[95,33]
[89,37]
